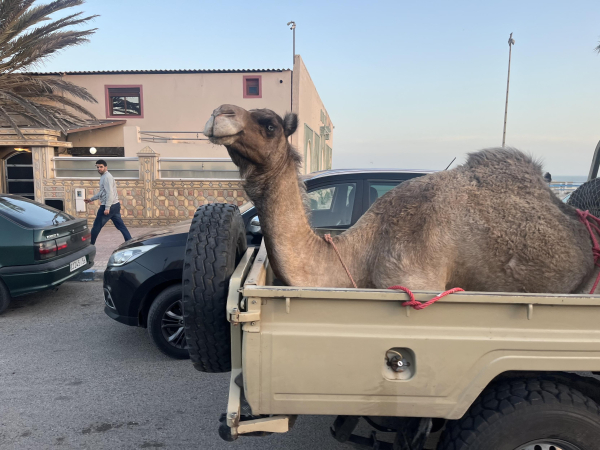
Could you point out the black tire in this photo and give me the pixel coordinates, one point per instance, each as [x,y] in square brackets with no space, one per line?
[587,197]
[216,243]
[4,297]
[164,317]
[530,413]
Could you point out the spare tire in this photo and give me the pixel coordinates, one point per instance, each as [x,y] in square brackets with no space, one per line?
[215,245]
[587,197]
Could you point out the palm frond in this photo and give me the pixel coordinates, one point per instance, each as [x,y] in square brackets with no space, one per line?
[25,43]
[12,123]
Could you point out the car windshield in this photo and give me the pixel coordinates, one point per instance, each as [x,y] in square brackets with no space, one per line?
[30,214]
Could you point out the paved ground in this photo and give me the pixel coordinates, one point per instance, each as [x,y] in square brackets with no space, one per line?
[71,377]
[109,239]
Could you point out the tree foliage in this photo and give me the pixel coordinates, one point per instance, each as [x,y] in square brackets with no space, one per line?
[29,36]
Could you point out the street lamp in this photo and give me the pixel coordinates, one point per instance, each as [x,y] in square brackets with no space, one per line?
[293,28]
[511,42]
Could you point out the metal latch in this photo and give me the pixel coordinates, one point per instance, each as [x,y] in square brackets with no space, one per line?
[237,316]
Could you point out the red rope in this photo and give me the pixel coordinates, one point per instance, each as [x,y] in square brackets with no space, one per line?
[328,239]
[592,224]
[418,305]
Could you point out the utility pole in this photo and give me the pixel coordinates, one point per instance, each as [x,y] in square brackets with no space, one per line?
[511,42]
[293,28]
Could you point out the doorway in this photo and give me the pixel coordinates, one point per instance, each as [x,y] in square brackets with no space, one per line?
[19,175]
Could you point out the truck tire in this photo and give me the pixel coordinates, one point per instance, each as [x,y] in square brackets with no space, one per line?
[527,414]
[4,297]
[216,243]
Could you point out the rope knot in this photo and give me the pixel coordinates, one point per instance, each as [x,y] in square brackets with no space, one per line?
[413,303]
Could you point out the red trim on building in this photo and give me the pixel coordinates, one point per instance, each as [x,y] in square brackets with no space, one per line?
[259,77]
[119,116]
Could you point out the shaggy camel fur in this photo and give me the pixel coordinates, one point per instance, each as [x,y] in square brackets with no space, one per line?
[492,224]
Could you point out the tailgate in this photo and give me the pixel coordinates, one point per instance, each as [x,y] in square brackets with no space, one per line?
[69,236]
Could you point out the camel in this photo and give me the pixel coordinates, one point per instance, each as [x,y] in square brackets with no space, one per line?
[491,224]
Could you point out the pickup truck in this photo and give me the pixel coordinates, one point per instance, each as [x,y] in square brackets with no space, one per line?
[474,371]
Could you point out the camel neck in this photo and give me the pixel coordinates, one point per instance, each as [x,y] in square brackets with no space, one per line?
[298,256]
[278,198]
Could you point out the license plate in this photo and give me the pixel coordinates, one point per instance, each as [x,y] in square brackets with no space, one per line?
[78,263]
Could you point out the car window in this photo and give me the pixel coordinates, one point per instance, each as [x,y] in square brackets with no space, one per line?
[333,205]
[30,214]
[378,188]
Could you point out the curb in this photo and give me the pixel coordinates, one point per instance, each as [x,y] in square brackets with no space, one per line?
[89,275]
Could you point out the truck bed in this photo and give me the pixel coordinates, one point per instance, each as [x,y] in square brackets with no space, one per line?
[323,350]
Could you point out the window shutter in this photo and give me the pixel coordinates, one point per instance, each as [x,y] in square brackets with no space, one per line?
[124,92]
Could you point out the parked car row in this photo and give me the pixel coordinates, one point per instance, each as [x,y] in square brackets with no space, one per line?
[43,247]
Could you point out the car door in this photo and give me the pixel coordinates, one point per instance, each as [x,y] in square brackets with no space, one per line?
[335,206]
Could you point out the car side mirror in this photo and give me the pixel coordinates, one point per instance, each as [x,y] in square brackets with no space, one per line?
[254,226]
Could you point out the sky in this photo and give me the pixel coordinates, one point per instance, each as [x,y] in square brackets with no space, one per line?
[406,84]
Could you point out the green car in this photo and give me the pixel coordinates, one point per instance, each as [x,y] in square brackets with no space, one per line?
[40,247]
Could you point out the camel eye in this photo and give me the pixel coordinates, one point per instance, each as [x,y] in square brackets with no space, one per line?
[270,128]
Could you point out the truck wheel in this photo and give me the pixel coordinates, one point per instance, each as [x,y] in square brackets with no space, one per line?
[216,243]
[4,297]
[531,414]
[165,323]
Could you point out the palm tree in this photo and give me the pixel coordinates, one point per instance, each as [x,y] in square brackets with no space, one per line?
[28,36]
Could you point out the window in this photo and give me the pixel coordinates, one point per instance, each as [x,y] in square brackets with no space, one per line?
[31,214]
[252,87]
[124,101]
[332,206]
[377,189]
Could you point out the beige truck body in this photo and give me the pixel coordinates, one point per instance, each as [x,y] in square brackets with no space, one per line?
[323,351]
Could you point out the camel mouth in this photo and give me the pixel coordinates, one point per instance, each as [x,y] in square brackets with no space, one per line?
[225,140]
[223,127]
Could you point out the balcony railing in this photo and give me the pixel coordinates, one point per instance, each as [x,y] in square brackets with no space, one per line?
[85,167]
[198,169]
[173,137]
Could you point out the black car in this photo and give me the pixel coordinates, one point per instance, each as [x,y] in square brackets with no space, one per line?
[142,283]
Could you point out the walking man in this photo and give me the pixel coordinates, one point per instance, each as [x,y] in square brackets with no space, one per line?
[110,208]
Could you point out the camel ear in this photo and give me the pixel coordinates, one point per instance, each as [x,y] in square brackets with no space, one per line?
[290,123]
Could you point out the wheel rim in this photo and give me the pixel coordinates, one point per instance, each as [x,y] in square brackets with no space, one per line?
[548,444]
[172,325]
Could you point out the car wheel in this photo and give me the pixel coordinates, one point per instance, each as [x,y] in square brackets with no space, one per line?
[4,297]
[165,323]
[530,414]
[216,243]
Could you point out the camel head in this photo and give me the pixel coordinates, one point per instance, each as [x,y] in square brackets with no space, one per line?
[255,139]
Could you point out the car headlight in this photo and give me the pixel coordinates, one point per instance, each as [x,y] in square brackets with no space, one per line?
[124,256]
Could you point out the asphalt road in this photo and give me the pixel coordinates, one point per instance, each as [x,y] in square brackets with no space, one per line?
[71,377]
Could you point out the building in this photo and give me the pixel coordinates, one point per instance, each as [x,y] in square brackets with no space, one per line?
[150,130]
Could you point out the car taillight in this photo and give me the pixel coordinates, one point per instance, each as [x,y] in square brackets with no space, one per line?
[86,237]
[61,246]
[46,250]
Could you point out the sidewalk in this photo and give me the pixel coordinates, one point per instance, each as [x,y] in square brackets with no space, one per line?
[108,240]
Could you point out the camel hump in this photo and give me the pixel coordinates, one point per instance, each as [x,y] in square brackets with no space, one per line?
[501,157]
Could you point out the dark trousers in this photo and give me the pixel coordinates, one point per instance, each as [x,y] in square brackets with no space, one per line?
[115,216]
